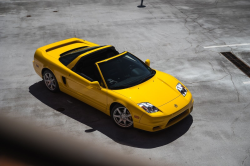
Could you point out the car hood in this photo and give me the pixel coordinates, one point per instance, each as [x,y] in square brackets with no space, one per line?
[158,90]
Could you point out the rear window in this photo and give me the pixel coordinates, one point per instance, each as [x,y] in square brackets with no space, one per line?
[67,57]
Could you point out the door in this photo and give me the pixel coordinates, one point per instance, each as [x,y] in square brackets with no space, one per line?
[82,89]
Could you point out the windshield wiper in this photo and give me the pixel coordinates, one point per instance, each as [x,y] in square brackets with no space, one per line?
[119,87]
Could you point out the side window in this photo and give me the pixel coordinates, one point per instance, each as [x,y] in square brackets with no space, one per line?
[88,70]
[99,79]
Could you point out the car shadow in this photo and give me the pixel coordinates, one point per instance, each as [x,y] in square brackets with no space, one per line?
[97,120]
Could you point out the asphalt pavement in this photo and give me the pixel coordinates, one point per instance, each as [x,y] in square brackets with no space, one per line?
[181,37]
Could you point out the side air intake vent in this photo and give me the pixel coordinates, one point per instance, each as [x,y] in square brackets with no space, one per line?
[64,80]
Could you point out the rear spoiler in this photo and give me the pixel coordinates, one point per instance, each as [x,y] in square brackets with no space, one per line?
[62,43]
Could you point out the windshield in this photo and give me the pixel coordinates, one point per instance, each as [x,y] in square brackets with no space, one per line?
[125,71]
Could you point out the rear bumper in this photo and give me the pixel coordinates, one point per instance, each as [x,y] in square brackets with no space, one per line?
[167,121]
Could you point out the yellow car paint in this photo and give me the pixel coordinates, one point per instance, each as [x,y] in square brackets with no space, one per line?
[159,90]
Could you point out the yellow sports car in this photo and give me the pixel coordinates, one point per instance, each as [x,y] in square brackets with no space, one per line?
[120,85]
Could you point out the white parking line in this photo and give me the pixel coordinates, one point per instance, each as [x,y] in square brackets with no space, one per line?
[246,82]
[231,45]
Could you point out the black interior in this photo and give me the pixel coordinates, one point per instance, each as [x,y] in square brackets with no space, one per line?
[67,57]
[120,69]
[87,68]
[124,71]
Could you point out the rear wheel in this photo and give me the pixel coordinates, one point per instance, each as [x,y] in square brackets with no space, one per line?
[50,81]
[122,116]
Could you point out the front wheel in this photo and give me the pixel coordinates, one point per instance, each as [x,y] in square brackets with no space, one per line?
[50,81]
[122,116]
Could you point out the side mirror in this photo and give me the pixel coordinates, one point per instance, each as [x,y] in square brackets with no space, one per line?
[147,62]
[95,84]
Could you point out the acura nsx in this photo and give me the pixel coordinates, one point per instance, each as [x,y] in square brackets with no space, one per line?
[118,84]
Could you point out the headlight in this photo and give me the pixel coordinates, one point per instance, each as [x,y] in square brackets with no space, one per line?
[148,107]
[181,89]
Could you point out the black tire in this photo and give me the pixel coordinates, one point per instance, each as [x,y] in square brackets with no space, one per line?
[124,118]
[50,81]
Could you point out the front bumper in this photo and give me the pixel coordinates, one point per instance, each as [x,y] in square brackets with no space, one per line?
[155,124]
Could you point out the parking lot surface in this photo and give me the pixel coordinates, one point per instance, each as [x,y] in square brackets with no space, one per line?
[182,38]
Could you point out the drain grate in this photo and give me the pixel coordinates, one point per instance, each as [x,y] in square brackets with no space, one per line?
[237,62]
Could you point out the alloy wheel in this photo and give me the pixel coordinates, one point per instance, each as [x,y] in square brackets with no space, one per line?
[50,81]
[122,117]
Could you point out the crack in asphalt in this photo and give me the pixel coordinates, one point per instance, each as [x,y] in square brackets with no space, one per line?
[188,42]
[248,155]
[246,105]
[151,12]
[194,20]
[216,3]
[208,81]
[211,65]
[201,26]
[238,95]
[228,72]
[235,120]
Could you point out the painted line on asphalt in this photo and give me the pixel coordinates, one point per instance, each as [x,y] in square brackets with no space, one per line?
[246,82]
[231,45]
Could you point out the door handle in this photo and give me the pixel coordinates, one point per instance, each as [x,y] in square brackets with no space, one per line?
[91,87]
